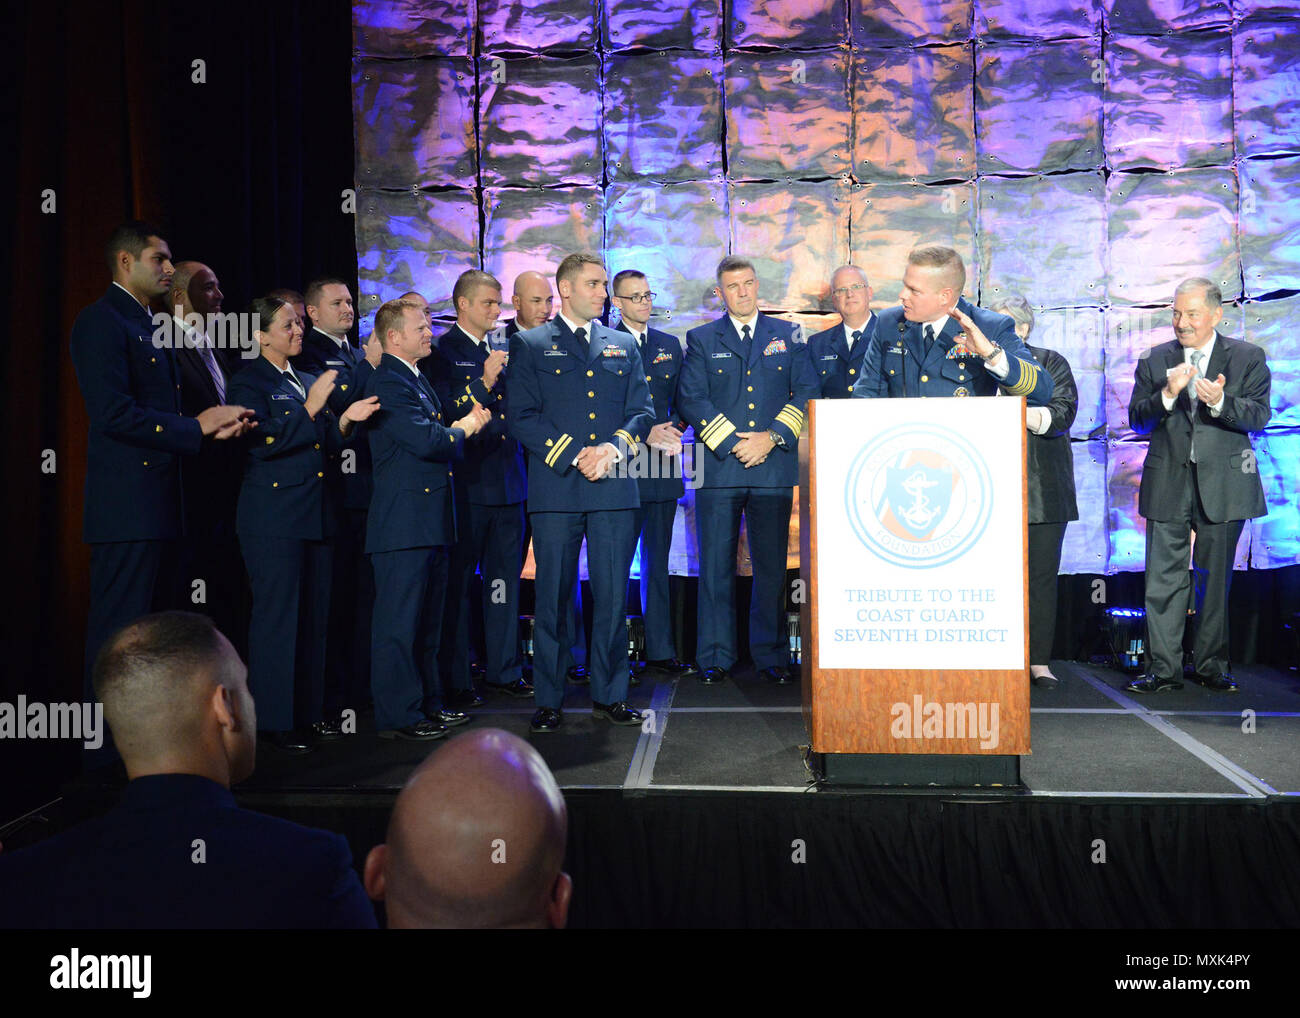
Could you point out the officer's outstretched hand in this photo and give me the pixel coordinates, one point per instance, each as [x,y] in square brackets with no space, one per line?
[971,337]
[474,421]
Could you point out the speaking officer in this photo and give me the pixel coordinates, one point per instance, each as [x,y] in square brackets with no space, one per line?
[744,386]
[131,386]
[657,465]
[286,519]
[1198,396]
[838,351]
[579,403]
[410,526]
[937,344]
[491,487]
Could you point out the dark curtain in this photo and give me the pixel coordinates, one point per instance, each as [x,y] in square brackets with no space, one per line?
[243,171]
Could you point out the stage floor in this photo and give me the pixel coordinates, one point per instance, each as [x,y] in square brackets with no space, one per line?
[1090,739]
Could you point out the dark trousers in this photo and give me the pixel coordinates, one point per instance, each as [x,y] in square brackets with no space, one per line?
[655,525]
[347,669]
[410,591]
[767,522]
[1169,586]
[287,634]
[127,579]
[611,543]
[213,557]
[1044,565]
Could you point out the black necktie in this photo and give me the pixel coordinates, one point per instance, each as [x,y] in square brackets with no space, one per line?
[293,380]
[744,340]
[857,335]
[581,336]
[929,336]
[640,343]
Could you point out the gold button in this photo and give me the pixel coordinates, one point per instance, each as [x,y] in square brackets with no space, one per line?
[850,388]
[270,439]
[591,417]
[157,427]
[925,378]
[751,424]
[891,371]
[593,438]
[548,441]
[275,484]
[590,394]
[320,473]
[286,413]
[344,388]
[751,406]
[749,372]
[779,368]
[426,491]
[146,463]
[647,377]
[557,371]
[749,388]
[316,446]
[590,373]
[962,366]
[853,371]
[153,360]
[961,378]
[448,473]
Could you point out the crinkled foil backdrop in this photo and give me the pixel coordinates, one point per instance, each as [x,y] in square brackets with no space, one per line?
[1088,156]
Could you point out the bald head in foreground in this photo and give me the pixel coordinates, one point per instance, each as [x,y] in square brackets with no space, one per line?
[476,840]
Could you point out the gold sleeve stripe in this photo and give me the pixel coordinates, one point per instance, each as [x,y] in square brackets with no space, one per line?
[560,444]
[472,396]
[627,437]
[791,418]
[1028,380]
[713,426]
[715,435]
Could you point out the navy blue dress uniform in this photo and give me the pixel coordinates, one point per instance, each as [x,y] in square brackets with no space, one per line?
[491,488]
[133,499]
[566,393]
[898,362]
[838,364]
[409,529]
[286,519]
[347,667]
[134,869]
[659,485]
[729,385]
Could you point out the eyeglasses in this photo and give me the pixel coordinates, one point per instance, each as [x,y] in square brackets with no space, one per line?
[638,298]
[845,291]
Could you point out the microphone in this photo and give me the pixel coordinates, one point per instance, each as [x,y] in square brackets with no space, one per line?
[902,356]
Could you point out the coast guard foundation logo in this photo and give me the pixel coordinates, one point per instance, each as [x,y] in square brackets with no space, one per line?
[919,496]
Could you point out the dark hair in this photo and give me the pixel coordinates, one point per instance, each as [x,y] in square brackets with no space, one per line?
[733,263]
[131,237]
[624,275]
[572,265]
[467,282]
[167,647]
[314,288]
[265,309]
[287,295]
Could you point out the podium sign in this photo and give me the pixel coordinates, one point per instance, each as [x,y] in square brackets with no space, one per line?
[916,621]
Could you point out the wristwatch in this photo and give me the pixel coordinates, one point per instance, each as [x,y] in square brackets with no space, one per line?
[991,356]
[777,440]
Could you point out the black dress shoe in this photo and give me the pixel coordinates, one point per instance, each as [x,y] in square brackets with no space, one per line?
[617,713]
[295,742]
[579,675]
[325,731]
[1152,684]
[779,674]
[421,731]
[1048,681]
[711,675]
[671,666]
[1221,683]
[450,718]
[464,699]
[520,688]
[546,719]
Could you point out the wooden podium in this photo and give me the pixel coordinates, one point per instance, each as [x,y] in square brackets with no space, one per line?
[913,529]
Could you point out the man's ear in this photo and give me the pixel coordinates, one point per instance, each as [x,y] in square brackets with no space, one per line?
[557,907]
[372,876]
[223,706]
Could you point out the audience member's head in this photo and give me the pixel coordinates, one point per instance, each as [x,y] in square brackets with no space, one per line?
[329,306]
[418,298]
[476,839]
[140,260]
[176,699]
[532,299]
[403,329]
[292,297]
[1017,308]
[195,290]
[477,300]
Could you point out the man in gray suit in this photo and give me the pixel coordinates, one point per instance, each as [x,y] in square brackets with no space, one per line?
[1198,397]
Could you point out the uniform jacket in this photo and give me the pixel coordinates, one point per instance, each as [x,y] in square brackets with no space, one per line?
[561,400]
[722,392]
[897,364]
[1227,477]
[493,469]
[286,491]
[658,476]
[412,450]
[837,367]
[320,354]
[137,433]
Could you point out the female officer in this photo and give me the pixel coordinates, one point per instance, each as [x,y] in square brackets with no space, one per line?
[285,519]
